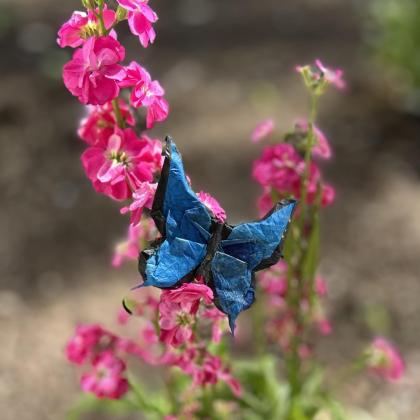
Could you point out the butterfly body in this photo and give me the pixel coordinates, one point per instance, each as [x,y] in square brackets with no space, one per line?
[195,243]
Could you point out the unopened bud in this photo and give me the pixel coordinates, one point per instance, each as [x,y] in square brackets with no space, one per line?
[121,13]
[89,4]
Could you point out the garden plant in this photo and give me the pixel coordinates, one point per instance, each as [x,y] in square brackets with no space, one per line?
[180,332]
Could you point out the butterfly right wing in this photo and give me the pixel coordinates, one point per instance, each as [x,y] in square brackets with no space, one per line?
[248,247]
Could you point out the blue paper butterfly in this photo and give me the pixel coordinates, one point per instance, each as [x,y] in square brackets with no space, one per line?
[195,243]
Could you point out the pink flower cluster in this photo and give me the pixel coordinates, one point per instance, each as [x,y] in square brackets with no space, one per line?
[119,162]
[95,74]
[97,347]
[169,342]
[280,172]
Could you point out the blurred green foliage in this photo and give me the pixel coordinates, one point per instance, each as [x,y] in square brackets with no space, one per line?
[396,38]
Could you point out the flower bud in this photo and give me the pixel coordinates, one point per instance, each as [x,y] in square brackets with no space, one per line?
[89,4]
[121,14]
[382,358]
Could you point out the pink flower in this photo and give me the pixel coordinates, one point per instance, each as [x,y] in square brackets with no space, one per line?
[123,316]
[81,346]
[140,19]
[278,168]
[158,111]
[314,181]
[100,123]
[106,380]
[148,334]
[122,164]
[262,130]
[328,195]
[175,323]
[280,171]
[211,371]
[213,205]
[146,92]
[265,202]
[324,326]
[189,293]
[216,317]
[137,237]
[142,197]
[93,72]
[322,147]
[384,360]
[317,77]
[321,288]
[81,26]
[178,308]
[334,77]
[273,280]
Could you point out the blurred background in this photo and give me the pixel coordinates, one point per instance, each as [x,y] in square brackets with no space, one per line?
[226,65]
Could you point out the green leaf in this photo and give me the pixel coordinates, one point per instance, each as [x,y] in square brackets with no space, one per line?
[88,403]
[313,383]
[155,404]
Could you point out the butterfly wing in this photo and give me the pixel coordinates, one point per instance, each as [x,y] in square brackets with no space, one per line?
[249,247]
[184,223]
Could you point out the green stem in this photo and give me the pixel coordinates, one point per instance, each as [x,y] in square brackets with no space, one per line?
[310,142]
[118,114]
[294,275]
[101,18]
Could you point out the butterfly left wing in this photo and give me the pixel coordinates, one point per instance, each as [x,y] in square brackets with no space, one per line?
[248,248]
[184,223]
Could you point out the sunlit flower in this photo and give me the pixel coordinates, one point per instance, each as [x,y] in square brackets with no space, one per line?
[118,168]
[140,19]
[94,70]
[81,26]
[146,92]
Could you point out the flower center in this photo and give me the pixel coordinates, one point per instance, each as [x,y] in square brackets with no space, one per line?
[119,156]
[184,318]
[88,30]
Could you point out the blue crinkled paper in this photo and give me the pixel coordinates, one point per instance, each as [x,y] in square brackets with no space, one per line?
[194,242]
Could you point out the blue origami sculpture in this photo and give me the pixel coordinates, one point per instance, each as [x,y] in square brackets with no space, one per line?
[194,242]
